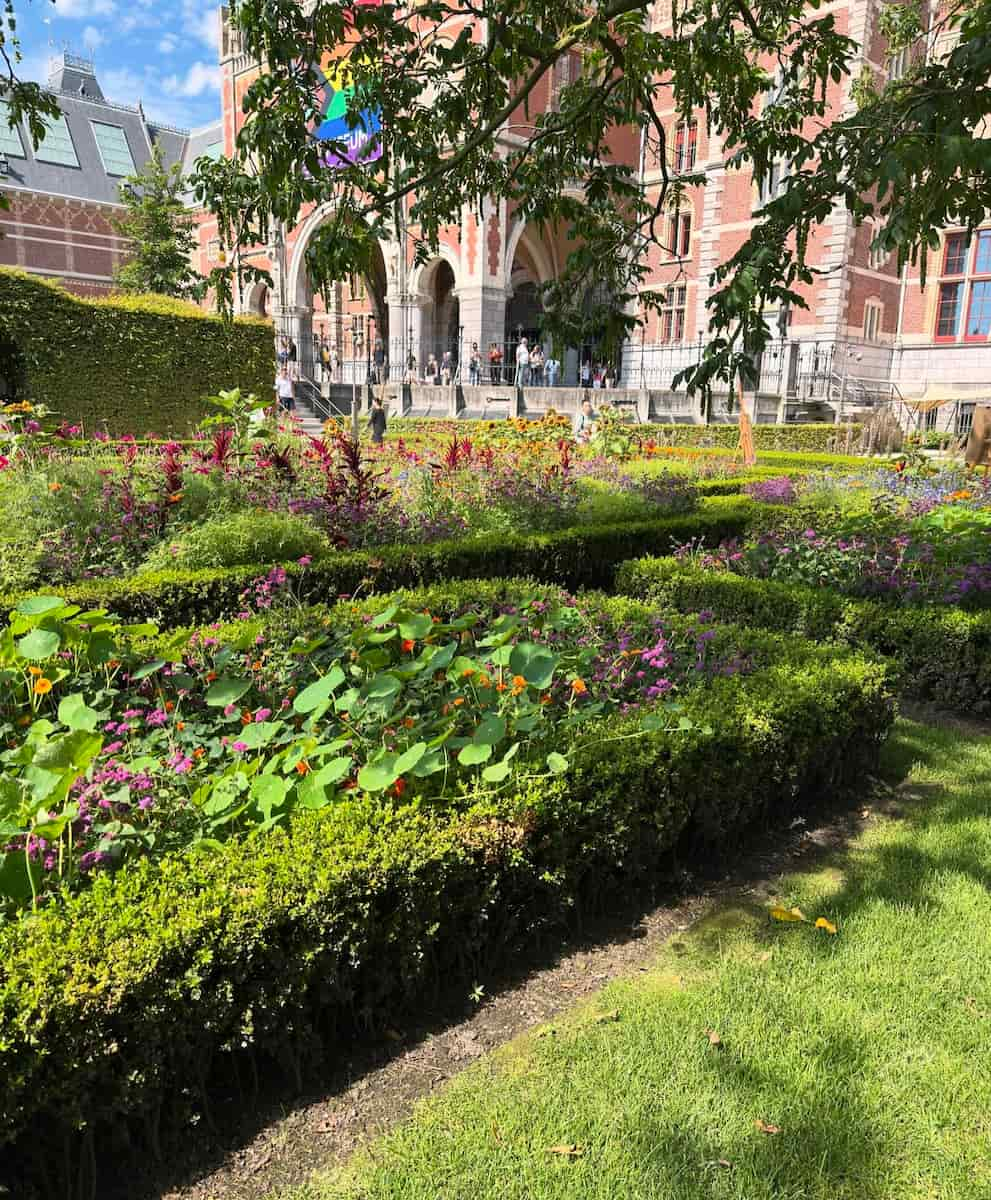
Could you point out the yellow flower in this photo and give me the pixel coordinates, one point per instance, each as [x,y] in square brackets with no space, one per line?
[42,686]
[55,487]
[34,670]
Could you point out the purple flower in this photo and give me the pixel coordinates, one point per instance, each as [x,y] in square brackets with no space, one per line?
[239,747]
[262,714]
[157,718]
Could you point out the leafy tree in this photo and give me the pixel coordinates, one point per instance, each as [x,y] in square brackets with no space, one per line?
[914,154]
[160,230]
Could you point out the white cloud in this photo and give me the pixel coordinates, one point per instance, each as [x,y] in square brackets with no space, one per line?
[201,77]
[201,20]
[168,44]
[82,10]
[93,39]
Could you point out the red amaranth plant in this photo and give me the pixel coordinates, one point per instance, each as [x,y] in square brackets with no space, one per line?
[172,466]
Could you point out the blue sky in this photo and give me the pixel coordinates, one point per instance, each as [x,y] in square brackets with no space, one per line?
[164,54]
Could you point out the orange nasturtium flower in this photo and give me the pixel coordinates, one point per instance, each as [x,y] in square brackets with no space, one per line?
[55,487]
[578,687]
[303,767]
[34,671]
[42,686]
[519,684]
[408,645]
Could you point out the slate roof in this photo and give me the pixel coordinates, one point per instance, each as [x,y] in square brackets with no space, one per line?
[73,82]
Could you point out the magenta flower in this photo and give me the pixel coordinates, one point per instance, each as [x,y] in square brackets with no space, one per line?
[262,714]
[239,747]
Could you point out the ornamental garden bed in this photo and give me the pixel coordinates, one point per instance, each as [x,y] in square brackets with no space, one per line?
[257,840]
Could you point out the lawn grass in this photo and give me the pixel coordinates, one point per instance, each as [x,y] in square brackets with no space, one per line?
[869,1051]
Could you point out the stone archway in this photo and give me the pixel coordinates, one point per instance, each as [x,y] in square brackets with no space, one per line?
[440,310]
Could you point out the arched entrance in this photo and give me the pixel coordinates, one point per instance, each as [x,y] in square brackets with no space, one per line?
[440,313]
[349,317]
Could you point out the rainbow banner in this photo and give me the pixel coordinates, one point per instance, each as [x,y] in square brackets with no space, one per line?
[363,143]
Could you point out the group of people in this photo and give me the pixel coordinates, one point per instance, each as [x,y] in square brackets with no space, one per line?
[599,375]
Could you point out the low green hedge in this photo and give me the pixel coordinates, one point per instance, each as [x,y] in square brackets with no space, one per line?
[130,363]
[943,654]
[818,438]
[119,1009]
[577,557]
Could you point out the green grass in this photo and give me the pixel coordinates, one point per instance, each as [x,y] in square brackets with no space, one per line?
[870,1050]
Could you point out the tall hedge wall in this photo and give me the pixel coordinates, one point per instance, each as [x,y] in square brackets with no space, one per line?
[133,364]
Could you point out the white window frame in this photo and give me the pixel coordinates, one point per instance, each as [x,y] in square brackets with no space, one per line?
[873,329]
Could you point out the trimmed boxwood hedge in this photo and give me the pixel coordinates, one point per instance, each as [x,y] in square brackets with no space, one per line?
[943,654]
[766,437]
[577,557]
[119,1008]
[133,364]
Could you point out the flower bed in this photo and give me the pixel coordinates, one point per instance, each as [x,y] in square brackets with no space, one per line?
[942,654]
[120,1005]
[119,750]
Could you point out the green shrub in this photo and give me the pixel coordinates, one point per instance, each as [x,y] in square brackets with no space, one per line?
[237,538]
[577,557]
[942,654]
[131,363]
[817,438]
[118,1008]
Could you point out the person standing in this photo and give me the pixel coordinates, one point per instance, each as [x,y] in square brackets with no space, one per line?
[586,374]
[474,366]
[495,363]
[285,389]
[432,371]
[522,364]
[537,367]
[283,354]
[446,368]
[552,368]
[378,357]
[292,351]
[376,421]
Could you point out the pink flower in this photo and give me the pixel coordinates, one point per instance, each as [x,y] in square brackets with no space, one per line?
[262,714]
[305,560]
[4,462]
[239,747]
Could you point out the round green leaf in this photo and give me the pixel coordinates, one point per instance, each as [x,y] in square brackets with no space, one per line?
[74,712]
[471,755]
[490,732]
[34,606]
[38,644]
[227,690]
[319,692]
[557,763]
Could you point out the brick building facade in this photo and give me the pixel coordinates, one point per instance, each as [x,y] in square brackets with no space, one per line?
[64,195]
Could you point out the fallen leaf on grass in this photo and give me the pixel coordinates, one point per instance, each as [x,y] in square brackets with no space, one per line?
[763,1127]
[718,1162]
[571,1150]
[765,957]
[787,914]
[714,1038]
[605,1018]
[822,923]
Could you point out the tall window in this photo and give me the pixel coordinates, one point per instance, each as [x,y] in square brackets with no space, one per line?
[680,234]
[57,146]
[672,315]
[685,145]
[873,313]
[10,135]
[356,288]
[963,307]
[114,150]
[876,257]
[773,184]
[898,63]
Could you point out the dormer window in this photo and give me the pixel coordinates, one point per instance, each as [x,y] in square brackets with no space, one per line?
[56,146]
[114,150]
[10,135]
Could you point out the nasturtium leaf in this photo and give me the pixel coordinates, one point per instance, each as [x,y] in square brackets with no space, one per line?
[416,626]
[227,690]
[319,692]
[259,734]
[652,723]
[472,754]
[383,687]
[432,762]
[534,662]
[557,764]
[74,712]
[35,606]
[147,669]
[269,793]
[409,758]
[490,731]
[497,772]
[384,617]
[377,776]
[38,644]
[381,636]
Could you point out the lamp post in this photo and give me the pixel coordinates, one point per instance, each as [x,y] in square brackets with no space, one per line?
[355,351]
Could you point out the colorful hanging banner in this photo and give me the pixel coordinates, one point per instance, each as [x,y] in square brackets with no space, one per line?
[362,144]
